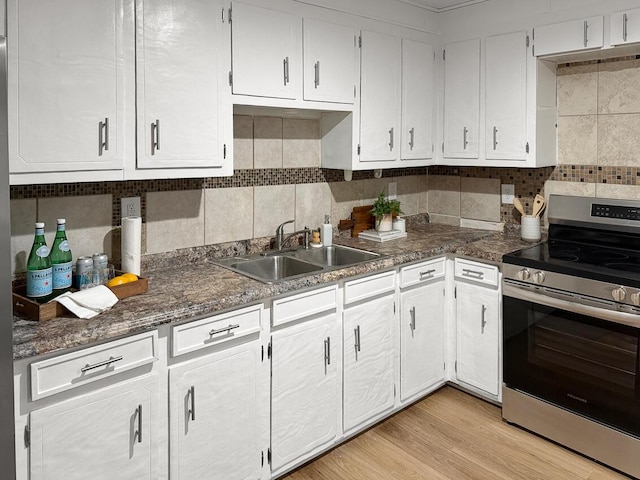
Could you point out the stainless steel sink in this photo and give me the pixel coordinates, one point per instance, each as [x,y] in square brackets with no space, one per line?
[277,266]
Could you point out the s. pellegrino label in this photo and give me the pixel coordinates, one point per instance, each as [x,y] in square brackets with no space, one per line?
[39,283]
[62,275]
[39,271]
[61,260]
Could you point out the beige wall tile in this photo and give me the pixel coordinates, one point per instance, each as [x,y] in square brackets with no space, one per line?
[242,142]
[88,218]
[407,188]
[300,143]
[580,189]
[577,89]
[267,142]
[625,192]
[345,196]
[228,214]
[422,191]
[444,195]
[619,140]
[373,187]
[444,219]
[272,206]
[578,140]
[23,219]
[174,220]
[618,87]
[313,202]
[480,198]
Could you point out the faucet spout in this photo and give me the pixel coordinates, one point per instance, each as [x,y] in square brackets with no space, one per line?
[280,234]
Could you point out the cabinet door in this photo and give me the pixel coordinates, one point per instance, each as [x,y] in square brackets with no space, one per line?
[506,96]
[380,96]
[421,339]
[330,62]
[368,361]
[417,100]
[575,35]
[461,99]
[96,435]
[266,52]
[178,50]
[215,414]
[625,27]
[478,342]
[65,81]
[304,390]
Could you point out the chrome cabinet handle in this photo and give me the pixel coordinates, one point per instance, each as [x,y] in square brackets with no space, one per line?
[495,137]
[357,335]
[412,324]
[104,363]
[327,351]
[192,399]
[411,134]
[586,27]
[625,19]
[472,273]
[225,329]
[465,133]
[391,139]
[316,80]
[155,137]
[285,63]
[428,273]
[103,136]
[483,322]
[139,414]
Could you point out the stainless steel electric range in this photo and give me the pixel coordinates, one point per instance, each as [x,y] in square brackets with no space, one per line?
[571,331]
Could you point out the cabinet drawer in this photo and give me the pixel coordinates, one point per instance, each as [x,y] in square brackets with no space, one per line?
[71,370]
[422,272]
[204,333]
[367,287]
[476,272]
[294,307]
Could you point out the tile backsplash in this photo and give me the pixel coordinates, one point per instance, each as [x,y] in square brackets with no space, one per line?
[278,177]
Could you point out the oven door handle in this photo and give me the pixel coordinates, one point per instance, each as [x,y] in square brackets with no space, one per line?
[601,313]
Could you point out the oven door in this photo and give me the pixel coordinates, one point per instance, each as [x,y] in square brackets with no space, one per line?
[579,357]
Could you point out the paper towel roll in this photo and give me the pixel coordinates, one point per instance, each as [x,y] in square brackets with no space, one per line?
[131,244]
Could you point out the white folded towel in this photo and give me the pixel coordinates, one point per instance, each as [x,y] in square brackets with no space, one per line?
[88,303]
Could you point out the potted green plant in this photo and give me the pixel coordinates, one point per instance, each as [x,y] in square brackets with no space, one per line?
[384,210]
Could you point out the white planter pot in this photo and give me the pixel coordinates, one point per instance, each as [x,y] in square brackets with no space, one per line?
[385,223]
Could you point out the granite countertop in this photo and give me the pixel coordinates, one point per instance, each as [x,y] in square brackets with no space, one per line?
[189,290]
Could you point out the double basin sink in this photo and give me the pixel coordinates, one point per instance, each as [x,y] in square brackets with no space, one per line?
[278,266]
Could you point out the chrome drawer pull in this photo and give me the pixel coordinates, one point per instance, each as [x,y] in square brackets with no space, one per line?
[625,20]
[472,273]
[482,319]
[155,137]
[327,351]
[412,324]
[316,80]
[411,134]
[192,397]
[357,335]
[103,136]
[222,330]
[139,432]
[104,363]
[428,273]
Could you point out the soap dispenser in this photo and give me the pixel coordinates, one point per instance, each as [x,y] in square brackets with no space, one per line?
[327,231]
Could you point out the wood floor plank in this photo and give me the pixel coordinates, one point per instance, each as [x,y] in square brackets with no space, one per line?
[450,435]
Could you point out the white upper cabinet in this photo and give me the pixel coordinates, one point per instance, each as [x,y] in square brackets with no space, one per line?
[417,100]
[574,35]
[462,99]
[266,52]
[65,85]
[379,98]
[330,62]
[180,81]
[625,27]
[506,96]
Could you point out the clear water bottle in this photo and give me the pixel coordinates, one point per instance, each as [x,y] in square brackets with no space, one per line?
[61,261]
[39,272]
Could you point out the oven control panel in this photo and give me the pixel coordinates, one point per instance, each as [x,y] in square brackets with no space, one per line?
[615,211]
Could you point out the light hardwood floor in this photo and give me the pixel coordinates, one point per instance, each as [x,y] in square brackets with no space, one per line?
[450,435]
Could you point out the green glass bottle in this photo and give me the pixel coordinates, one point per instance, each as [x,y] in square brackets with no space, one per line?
[39,272]
[61,260]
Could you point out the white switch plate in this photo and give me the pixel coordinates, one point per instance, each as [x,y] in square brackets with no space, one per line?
[130,206]
[393,190]
[508,192]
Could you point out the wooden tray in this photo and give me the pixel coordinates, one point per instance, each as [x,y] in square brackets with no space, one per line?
[26,307]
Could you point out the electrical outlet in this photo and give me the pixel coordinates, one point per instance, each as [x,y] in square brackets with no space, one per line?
[508,192]
[393,190]
[130,206]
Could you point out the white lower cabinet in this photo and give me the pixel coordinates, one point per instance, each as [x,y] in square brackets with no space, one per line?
[217,403]
[368,383]
[478,326]
[422,323]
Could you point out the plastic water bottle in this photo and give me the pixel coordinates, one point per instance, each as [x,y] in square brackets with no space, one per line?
[61,261]
[39,272]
